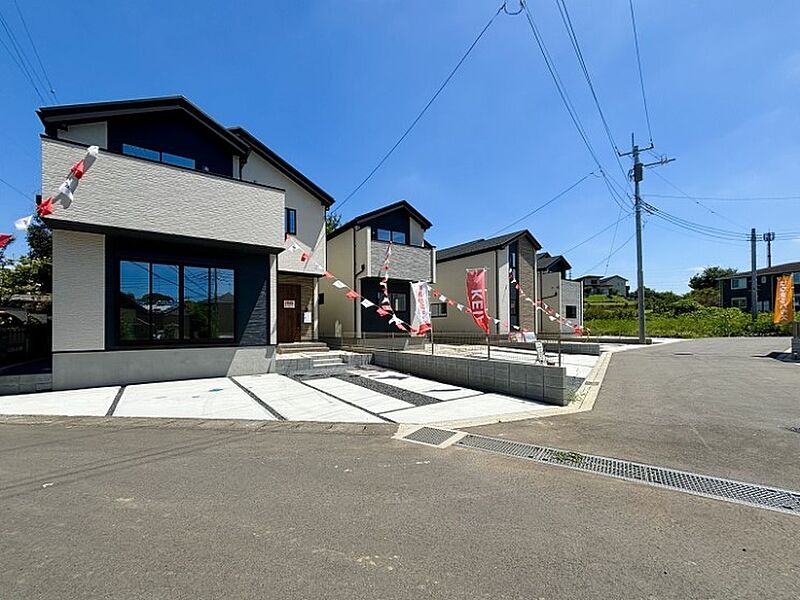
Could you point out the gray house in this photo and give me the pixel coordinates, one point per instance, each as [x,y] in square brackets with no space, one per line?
[559,292]
[356,252]
[166,265]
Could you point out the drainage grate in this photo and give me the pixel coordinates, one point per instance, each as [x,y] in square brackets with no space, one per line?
[429,435]
[692,483]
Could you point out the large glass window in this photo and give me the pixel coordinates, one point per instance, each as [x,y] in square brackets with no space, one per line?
[134,306]
[165,157]
[159,303]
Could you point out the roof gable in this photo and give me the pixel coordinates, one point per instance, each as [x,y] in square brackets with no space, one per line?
[282,165]
[395,206]
[483,245]
[66,114]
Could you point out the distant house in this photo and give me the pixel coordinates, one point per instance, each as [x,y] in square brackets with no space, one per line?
[510,253]
[356,252]
[612,284]
[735,289]
[558,292]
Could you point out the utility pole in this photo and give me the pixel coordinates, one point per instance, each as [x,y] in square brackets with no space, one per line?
[753,276]
[769,237]
[637,174]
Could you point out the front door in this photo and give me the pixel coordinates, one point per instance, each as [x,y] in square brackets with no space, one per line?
[289,313]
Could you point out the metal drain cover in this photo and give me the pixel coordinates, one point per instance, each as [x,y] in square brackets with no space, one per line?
[692,483]
[429,435]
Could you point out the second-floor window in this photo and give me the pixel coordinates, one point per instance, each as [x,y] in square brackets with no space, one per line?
[164,157]
[739,283]
[387,235]
[291,221]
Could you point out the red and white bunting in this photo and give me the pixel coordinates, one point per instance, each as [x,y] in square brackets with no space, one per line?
[5,239]
[551,313]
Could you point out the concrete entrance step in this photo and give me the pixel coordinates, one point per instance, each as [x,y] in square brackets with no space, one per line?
[294,347]
[327,361]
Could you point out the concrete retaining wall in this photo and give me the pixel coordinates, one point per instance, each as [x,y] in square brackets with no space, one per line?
[532,382]
[25,384]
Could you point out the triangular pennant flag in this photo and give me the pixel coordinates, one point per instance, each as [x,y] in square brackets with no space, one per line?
[352,294]
[367,304]
[78,169]
[328,275]
[382,311]
[551,317]
[304,256]
[65,190]
[497,321]
[451,302]
[460,307]
[23,223]
[5,240]
[436,293]
[338,284]
[442,297]
[45,207]
[293,247]
[423,329]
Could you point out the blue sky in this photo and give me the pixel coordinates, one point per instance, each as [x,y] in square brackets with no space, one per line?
[331,84]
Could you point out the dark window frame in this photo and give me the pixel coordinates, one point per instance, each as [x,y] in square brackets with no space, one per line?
[513,292]
[181,263]
[441,309]
[573,313]
[159,156]
[290,223]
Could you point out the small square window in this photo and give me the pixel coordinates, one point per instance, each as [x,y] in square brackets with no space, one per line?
[399,302]
[398,237]
[572,311]
[383,235]
[439,309]
[291,221]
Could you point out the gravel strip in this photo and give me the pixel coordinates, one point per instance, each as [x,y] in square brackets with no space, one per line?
[414,398]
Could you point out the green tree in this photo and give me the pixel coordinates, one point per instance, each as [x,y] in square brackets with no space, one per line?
[40,240]
[709,278]
[332,222]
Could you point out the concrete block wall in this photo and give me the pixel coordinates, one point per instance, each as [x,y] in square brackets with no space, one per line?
[532,382]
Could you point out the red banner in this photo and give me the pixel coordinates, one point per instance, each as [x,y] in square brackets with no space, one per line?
[476,297]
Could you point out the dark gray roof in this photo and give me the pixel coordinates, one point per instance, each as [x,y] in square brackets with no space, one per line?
[400,204]
[545,261]
[56,116]
[483,245]
[792,267]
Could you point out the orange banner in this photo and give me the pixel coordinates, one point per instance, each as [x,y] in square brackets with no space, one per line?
[784,300]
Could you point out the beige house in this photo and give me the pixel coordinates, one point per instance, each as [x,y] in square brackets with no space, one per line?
[559,292]
[510,253]
[304,220]
[356,252]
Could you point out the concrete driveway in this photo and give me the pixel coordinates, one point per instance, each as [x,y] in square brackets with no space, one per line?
[716,406]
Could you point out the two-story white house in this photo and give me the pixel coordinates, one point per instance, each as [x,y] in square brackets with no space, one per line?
[168,263]
[356,253]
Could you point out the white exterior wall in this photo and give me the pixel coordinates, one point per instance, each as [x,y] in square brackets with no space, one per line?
[336,313]
[572,294]
[557,293]
[140,195]
[91,134]
[79,291]
[310,215]
[451,281]
[503,285]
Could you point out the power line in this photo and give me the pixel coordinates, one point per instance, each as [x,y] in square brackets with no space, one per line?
[565,99]
[565,18]
[35,51]
[540,207]
[641,76]
[421,113]
[16,189]
[727,198]
[613,239]
[620,247]
[589,239]
[22,63]
[696,201]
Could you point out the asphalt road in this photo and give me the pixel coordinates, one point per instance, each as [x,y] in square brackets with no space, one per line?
[218,510]
[714,406]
